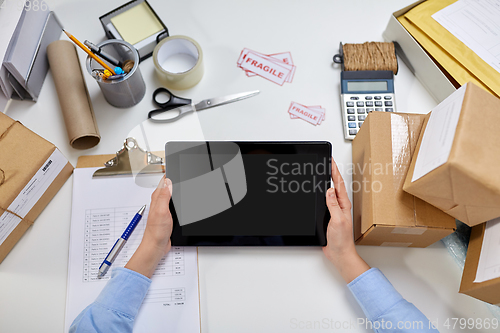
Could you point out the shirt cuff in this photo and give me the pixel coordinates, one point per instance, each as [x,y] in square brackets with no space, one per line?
[124,292]
[374,293]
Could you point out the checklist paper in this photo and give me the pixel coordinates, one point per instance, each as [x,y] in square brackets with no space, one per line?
[102,209]
[277,68]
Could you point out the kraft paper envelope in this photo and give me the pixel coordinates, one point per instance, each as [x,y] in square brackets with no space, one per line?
[455,57]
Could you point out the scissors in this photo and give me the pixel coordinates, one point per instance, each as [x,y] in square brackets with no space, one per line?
[182,106]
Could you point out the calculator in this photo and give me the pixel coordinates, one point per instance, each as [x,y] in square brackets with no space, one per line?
[363,92]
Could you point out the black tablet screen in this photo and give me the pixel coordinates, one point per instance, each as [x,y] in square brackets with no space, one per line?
[248,189]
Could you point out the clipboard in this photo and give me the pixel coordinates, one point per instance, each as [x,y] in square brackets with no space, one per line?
[129,160]
[90,213]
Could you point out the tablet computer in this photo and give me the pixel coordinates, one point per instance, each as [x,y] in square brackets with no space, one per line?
[249,193]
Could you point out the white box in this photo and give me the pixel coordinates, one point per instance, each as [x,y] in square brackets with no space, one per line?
[416,58]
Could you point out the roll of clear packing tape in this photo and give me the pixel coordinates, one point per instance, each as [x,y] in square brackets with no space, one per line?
[178,62]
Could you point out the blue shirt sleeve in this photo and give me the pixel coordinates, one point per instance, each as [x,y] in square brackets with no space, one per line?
[385,309]
[117,305]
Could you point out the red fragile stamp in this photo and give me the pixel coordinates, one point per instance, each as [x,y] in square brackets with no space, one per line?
[277,67]
[312,114]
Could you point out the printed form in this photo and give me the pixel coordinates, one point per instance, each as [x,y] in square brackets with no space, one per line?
[102,209]
[488,267]
[476,24]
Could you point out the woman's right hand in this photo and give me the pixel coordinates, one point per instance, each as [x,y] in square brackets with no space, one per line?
[340,249]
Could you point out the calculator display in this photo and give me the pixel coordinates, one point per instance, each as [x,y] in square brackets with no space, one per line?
[367,85]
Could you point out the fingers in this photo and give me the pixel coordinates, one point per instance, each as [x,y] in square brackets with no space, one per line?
[333,205]
[338,182]
[164,189]
[161,196]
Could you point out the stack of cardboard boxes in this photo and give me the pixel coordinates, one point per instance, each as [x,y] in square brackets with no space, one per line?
[431,169]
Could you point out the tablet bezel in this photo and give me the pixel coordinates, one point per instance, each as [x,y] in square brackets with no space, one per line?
[324,150]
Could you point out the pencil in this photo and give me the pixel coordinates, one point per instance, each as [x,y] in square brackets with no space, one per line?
[93,56]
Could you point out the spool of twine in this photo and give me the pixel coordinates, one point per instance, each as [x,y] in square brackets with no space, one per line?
[370,56]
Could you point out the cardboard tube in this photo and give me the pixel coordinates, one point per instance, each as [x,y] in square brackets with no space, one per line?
[74,98]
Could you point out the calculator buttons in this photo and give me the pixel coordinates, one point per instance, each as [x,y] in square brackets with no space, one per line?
[356,107]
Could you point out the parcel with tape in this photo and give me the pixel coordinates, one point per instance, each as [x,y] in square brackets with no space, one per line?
[383,214]
[32,170]
[456,161]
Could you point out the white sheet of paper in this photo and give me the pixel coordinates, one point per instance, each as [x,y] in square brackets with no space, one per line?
[102,209]
[476,23]
[489,260]
[439,134]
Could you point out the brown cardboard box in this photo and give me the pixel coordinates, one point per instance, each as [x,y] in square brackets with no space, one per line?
[488,291]
[384,214]
[467,183]
[32,170]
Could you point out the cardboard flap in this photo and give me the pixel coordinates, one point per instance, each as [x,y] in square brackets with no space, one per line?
[476,157]
[474,215]
[92,161]
[362,212]
[382,235]
[427,215]
[471,191]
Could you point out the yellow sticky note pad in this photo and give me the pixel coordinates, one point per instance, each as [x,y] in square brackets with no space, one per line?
[137,23]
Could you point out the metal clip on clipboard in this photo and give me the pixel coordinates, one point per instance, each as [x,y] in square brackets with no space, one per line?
[131,160]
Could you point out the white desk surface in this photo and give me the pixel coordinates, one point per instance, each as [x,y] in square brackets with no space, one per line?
[241,289]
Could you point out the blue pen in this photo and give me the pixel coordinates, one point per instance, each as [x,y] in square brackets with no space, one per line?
[115,250]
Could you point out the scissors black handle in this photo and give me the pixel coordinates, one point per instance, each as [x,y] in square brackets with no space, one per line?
[172,103]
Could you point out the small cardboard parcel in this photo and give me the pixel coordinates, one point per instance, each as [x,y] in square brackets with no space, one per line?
[457,159]
[32,170]
[384,214]
[481,277]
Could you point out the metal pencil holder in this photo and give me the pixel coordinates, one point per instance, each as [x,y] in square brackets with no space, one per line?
[128,90]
